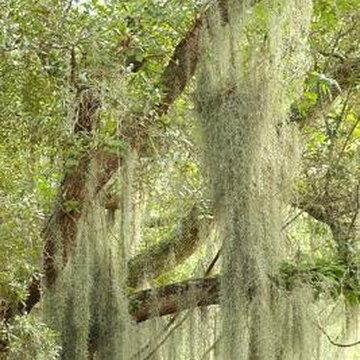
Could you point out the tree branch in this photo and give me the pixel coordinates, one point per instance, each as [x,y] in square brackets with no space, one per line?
[170,299]
[147,265]
[332,342]
[181,66]
[162,301]
[166,254]
[63,224]
[175,78]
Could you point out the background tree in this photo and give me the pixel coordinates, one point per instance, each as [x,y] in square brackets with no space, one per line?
[99,135]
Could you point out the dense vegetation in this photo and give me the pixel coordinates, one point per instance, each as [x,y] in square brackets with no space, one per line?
[170,165]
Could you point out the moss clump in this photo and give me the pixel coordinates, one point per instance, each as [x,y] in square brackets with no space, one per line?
[88,303]
[249,76]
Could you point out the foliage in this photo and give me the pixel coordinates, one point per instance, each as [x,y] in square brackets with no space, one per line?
[325,276]
[30,339]
[51,50]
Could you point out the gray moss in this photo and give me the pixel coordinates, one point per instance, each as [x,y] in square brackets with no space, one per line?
[244,91]
[88,303]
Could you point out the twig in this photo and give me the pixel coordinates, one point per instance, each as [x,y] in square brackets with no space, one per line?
[292,220]
[166,337]
[211,348]
[213,263]
[347,140]
[351,225]
[334,342]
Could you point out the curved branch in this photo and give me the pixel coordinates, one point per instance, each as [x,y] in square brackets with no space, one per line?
[175,78]
[63,223]
[332,342]
[166,254]
[147,265]
[61,229]
[181,66]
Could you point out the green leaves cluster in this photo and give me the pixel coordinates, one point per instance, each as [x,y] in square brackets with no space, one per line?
[325,276]
[30,339]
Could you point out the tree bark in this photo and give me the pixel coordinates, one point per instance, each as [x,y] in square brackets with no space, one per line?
[168,253]
[62,227]
[170,299]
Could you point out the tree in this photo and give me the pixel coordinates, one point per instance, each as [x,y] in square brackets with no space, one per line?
[99,136]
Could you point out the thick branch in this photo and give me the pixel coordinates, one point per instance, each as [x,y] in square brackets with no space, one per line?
[170,299]
[62,227]
[148,265]
[176,75]
[175,78]
[166,300]
[181,66]
[173,298]
[168,253]
[60,231]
